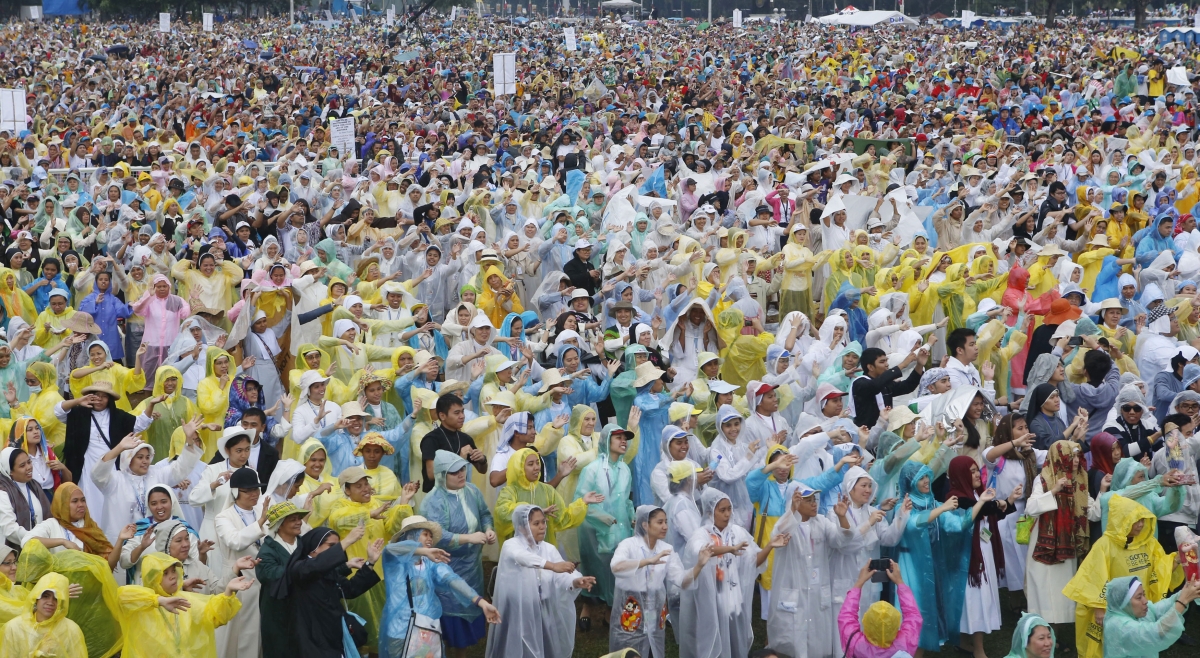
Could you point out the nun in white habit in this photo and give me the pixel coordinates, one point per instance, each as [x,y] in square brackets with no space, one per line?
[262,343]
[870,530]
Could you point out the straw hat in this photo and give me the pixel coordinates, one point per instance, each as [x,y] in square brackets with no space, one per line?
[647,373]
[101,387]
[352,409]
[82,323]
[551,378]
[1111,303]
[419,523]
[277,513]
[374,439]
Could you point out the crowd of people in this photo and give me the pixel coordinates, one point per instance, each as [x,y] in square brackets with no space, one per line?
[849,330]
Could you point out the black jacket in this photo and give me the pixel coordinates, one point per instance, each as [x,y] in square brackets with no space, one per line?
[889,384]
[79,435]
[317,587]
[580,275]
[268,458]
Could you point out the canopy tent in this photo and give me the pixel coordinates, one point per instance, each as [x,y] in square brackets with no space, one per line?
[621,4]
[853,17]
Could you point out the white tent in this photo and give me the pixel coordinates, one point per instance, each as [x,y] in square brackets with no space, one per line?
[852,16]
[621,4]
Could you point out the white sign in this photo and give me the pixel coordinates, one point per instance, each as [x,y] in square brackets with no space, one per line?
[12,111]
[391,16]
[328,16]
[504,73]
[569,36]
[35,12]
[341,135]
[208,22]
[164,22]
[737,17]
[454,13]
[1178,76]
[566,5]
[968,17]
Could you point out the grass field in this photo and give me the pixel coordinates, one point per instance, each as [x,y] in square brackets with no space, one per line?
[997,645]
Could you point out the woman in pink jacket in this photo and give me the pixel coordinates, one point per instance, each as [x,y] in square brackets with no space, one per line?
[884,631]
[163,313]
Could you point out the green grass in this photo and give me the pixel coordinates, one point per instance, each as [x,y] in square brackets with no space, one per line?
[595,643]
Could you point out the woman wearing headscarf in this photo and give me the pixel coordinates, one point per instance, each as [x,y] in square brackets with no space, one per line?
[43,629]
[1128,545]
[319,484]
[277,616]
[458,507]
[48,472]
[124,484]
[610,521]
[1012,461]
[719,563]
[639,566]
[171,410]
[163,508]
[1060,536]
[1162,495]
[1033,638]
[23,504]
[420,583]
[1134,626]
[14,302]
[922,548]
[102,368]
[160,618]
[537,603]
[212,395]
[734,460]
[523,486]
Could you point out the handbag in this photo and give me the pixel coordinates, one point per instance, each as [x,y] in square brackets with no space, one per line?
[1025,528]
[424,638]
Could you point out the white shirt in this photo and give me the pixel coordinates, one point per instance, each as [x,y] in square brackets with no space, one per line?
[304,420]
[97,448]
[8,518]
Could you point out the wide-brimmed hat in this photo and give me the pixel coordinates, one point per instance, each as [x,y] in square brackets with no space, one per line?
[619,306]
[229,434]
[419,523]
[374,439]
[101,387]
[352,409]
[308,378]
[1101,240]
[646,373]
[1061,310]
[550,378]
[245,478]
[280,511]
[82,323]
[1111,303]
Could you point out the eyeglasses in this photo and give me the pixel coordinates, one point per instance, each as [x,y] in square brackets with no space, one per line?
[1127,408]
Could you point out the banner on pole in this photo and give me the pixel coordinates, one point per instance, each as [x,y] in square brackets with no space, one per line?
[504,73]
[208,22]
[569,37]
[737,17]
[164,22]
[12,111]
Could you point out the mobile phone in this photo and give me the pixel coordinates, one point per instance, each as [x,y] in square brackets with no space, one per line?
[880,567]
[1075,341]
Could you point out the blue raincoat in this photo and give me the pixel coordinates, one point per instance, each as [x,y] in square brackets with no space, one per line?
[920,552]
[460,512]
[656,414]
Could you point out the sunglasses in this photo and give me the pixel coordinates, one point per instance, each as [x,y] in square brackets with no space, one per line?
[1127,408]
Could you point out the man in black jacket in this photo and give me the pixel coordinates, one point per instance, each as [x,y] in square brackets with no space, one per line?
[879,384]
[263,457]
[580,270]
[94,426]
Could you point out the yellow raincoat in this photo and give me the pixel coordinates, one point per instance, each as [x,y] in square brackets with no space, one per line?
[155,633]
[492,304]
[585,452]
[344,516]
[12,599]
[40,405]
[173,412]
[97,611]
[1111,558]
[57,637]
[213,399]
[520,491]
[321,504]
[17,302]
